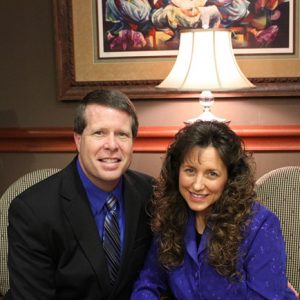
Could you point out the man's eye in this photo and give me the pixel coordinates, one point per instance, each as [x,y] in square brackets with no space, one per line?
[123,134]
[99,133]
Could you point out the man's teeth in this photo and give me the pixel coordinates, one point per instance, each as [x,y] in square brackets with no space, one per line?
[109,160]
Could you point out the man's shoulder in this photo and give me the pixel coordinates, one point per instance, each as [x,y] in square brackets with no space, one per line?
[140,176]
[140,181]
[46,187]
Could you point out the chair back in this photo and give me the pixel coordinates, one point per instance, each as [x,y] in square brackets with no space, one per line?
[279,190]
[12,191]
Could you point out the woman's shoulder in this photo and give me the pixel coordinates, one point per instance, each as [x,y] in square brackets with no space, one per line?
[261,211]
[263,226]
[263,216]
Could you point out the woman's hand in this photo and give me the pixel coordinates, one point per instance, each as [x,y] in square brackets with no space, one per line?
[293,289]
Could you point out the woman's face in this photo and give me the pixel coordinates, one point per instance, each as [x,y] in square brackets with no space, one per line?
[202,178]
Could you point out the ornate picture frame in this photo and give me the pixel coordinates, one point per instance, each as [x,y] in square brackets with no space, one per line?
[79,71]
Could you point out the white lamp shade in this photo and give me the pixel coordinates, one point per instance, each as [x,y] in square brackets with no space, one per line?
[205,61]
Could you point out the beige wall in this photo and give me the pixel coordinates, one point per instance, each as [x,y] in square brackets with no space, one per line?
[28,97]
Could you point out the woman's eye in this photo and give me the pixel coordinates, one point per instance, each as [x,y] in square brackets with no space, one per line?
[212,174]
[189,170]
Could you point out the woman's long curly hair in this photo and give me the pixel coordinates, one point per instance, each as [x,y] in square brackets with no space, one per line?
[228,217]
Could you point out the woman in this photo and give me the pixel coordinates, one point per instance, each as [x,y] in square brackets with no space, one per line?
[212,239]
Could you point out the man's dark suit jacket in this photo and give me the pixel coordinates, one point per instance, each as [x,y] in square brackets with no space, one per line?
[54,247]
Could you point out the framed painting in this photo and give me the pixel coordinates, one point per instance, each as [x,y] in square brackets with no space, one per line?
[80,69]
[144,28]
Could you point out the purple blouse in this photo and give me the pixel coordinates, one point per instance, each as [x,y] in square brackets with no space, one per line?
[262,266]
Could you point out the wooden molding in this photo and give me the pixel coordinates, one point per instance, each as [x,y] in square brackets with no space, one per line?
[257,138]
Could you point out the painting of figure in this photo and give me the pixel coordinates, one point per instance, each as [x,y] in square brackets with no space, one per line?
[152,27]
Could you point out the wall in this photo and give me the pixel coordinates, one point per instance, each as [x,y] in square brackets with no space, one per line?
[28,97]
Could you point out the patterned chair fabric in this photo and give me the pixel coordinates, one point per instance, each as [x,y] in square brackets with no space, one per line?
[279,190]
[12,191]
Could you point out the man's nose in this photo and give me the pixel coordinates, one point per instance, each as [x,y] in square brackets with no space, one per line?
[111,142]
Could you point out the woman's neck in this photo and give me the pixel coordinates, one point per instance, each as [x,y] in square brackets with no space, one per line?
[200,222]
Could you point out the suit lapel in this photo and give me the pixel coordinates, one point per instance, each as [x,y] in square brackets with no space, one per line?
[132,214]
[77,210]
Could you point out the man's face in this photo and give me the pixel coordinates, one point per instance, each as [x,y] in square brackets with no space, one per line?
[105,146]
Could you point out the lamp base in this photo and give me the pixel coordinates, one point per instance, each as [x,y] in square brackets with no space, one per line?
[206,100]
[207,116]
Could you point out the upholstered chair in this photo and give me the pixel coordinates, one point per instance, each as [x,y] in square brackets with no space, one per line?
[12,191]
[279,190]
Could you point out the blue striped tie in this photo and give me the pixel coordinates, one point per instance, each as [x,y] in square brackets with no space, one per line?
[111,238]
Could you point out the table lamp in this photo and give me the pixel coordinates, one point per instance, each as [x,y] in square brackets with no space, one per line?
[205,63]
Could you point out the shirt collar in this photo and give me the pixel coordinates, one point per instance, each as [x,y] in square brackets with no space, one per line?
[96,196]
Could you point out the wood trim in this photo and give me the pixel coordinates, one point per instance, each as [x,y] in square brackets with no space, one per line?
[257,138]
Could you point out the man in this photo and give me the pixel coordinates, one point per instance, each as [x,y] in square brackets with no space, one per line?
[58,228]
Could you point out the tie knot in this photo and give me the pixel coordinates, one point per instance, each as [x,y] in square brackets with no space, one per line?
[111,203]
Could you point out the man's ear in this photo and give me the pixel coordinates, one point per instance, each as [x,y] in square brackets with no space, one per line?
[77,139]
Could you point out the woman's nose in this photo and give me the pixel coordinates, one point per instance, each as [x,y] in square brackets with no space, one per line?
[198,183]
